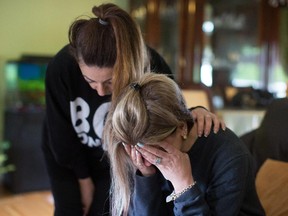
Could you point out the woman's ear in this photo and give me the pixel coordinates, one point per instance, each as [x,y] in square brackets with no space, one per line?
[184,130]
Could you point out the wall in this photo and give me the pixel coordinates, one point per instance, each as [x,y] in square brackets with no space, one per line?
[37,27]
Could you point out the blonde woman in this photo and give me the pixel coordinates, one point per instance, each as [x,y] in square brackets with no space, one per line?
[160,166]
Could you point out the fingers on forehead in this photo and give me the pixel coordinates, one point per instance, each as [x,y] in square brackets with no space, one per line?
[162,147]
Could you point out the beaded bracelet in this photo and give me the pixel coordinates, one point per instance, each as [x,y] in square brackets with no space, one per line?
[173,196]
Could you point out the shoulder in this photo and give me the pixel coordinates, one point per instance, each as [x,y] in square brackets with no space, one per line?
[222,148]
[62,62]
[63,57]
[62,70]
[158,64]
[229,143]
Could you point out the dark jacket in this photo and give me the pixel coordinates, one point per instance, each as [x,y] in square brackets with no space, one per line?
[221,166]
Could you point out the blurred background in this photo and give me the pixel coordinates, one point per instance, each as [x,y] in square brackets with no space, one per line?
[235,51]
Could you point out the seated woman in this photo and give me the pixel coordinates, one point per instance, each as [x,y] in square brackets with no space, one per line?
[161,167]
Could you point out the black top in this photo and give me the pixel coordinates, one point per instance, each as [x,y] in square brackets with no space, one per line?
[75,114]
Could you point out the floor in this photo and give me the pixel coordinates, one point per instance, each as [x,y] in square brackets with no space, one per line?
[3,192]
[38,203]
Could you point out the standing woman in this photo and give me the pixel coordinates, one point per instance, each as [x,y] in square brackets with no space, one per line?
[105,53]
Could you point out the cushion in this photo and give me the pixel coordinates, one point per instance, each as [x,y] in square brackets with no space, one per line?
[272,187]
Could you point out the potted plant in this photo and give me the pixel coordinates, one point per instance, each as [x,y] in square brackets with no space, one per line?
[4,166]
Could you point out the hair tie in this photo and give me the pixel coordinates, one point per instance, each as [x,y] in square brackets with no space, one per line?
[102,22]
[135,86]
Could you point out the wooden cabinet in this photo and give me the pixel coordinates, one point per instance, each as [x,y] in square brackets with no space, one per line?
[173,28]
[241,50]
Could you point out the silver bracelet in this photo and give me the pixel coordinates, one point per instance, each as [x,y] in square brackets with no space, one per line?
[173,196]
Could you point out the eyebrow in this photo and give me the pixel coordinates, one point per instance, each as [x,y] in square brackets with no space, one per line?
[89,80]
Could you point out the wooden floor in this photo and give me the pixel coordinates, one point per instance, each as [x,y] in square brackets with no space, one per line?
[26,204]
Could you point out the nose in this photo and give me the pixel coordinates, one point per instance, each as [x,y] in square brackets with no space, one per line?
[100,88]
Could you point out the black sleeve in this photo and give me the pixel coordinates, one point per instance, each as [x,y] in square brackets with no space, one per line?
[147,198]
[62,139]
[158,64]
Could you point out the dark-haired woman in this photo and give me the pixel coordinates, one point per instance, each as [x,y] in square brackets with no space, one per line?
[105,53]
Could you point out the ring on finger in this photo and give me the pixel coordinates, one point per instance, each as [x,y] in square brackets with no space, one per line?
[158,160]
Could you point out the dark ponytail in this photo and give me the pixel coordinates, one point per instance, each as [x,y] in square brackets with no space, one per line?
[110,39]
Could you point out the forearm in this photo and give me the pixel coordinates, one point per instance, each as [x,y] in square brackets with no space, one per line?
[87,192]
[150,199]
[147,198]
[192,202]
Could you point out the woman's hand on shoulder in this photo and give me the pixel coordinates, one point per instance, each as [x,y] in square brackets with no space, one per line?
[205,119]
